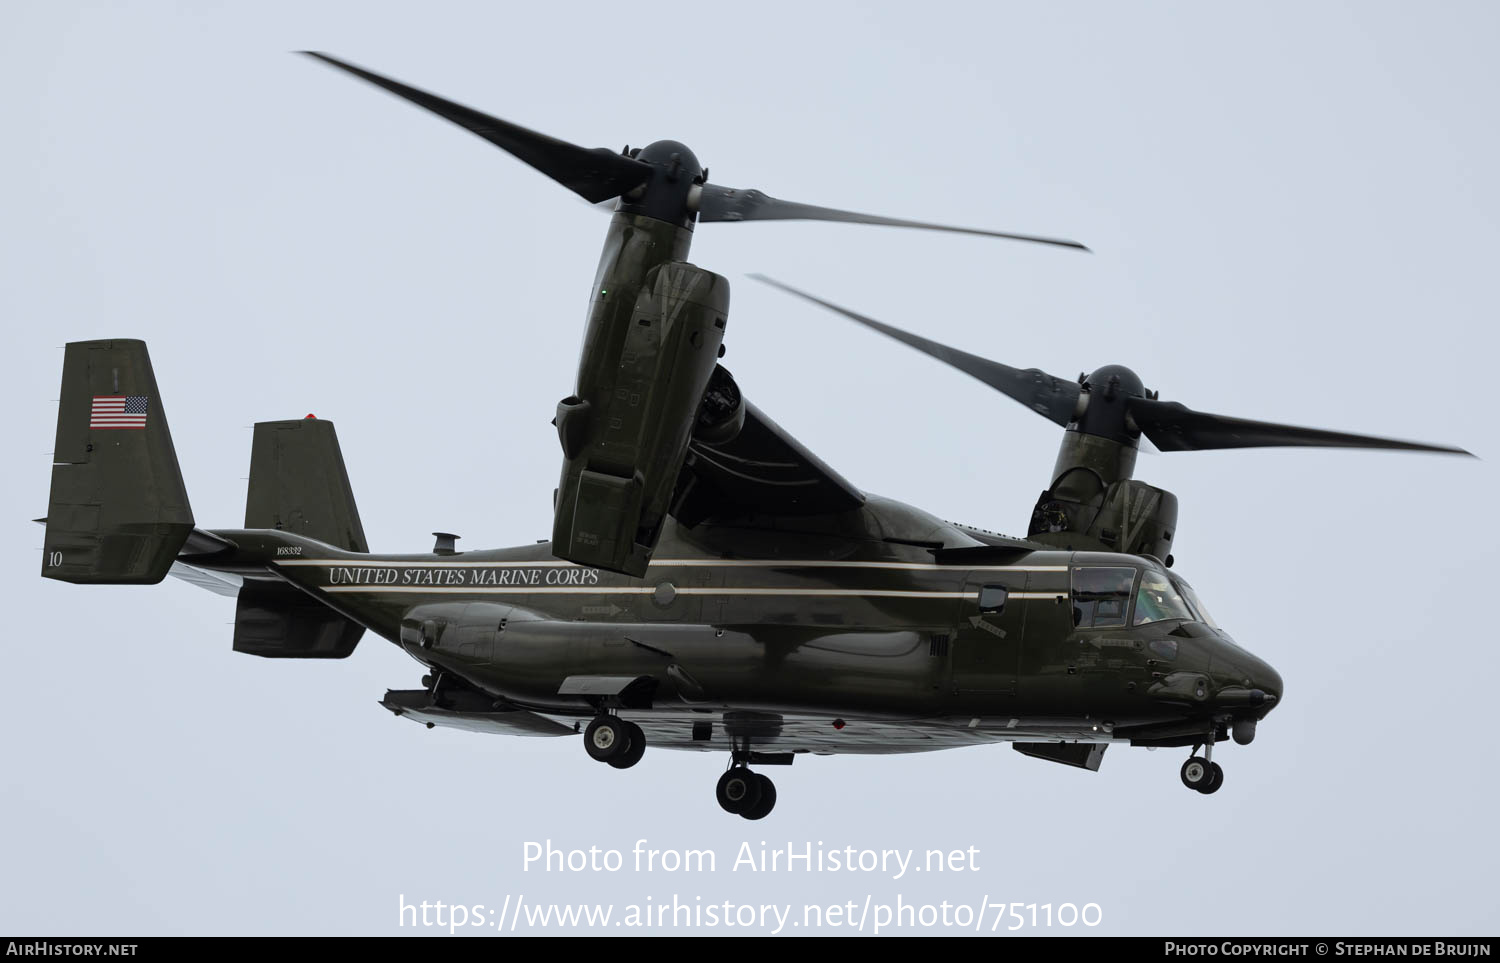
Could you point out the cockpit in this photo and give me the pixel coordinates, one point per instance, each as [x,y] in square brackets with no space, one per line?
[1158,599]
[1194,604]
[1119,595]
[1188,660]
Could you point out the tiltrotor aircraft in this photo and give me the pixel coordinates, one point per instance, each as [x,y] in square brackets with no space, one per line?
[710,583]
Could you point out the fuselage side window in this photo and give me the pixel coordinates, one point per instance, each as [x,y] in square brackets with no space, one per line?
[1159,599]
[1101,596]
[992,598]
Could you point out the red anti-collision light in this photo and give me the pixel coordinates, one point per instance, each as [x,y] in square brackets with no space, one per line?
[312,416]
[838,723]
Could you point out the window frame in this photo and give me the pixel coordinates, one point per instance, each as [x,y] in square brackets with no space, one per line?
[1088,619]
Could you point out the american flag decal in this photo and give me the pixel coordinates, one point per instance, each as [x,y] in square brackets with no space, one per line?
[118,411]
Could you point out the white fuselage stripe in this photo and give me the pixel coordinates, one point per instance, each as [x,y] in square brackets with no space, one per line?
[648,590]
[377,563]
[680,563]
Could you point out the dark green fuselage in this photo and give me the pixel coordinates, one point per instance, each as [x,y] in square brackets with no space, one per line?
[846,617]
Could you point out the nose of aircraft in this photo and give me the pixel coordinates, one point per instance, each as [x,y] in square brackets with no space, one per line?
[1267,680]
[1248,687]
[1246,680]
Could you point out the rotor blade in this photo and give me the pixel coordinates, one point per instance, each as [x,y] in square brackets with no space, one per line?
[727,204]
[1051,397]
[595,173]
[1176,427]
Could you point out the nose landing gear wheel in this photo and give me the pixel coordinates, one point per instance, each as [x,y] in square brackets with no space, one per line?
[1195,773]
[767,802]
[1201,775]
[606,738]
[739,790]
[634,751]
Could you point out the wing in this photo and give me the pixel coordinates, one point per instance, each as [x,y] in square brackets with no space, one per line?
[761,471]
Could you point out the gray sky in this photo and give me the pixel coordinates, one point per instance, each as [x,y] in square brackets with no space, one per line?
[1294,214]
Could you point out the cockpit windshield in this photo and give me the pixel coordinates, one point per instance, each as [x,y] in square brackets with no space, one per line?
[1193,602]
[1158,599]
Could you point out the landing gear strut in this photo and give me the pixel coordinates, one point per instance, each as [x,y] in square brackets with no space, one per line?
[1202,773]
[747,794]
[612,740]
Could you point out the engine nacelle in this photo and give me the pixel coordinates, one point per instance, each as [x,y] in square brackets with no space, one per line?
[1128,516]
[624,436]
[1094,505]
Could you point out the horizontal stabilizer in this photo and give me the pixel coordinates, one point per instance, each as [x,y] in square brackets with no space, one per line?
[220,583]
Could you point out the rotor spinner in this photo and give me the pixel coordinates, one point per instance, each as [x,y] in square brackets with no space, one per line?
[1105,404]
[674,188]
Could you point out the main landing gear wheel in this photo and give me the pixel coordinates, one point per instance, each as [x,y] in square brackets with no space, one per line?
[739,790]
[634,751]
[606,738]
[1201,775]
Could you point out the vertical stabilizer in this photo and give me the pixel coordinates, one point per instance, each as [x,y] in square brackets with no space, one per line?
[118,511]
[298,484]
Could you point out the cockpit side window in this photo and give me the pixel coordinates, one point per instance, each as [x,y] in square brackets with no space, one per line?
[1101,596]
[1159,599]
